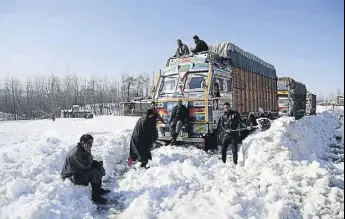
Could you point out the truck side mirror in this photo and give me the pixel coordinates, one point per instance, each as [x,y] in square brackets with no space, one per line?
[203,85]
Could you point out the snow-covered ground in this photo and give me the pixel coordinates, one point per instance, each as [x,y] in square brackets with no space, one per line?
[293,170]
[337,109]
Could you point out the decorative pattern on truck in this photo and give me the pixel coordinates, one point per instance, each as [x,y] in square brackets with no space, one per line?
[188,59]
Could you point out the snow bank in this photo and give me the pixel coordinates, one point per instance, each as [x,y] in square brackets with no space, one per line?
[292,171]
[337,109]
[292,161]
[31,186]
[306,139]
[285,175]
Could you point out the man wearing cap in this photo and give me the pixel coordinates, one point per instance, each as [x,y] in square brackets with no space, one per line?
[200,45]
[178,119]
[229,120]
[82,169]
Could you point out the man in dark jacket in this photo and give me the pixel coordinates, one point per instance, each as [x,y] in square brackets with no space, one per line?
[200,45]
[142,139]
[178,119]
[182,49]
[81,169]
[229,120]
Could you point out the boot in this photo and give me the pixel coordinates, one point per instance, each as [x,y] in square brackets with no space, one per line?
[104,191]
[96,194]
[143,164]
[173,140]
[235,156]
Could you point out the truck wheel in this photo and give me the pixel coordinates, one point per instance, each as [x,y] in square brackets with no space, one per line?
[211,142]
[252,121]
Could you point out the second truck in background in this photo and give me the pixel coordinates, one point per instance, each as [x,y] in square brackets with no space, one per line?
[310,104]
[292,97]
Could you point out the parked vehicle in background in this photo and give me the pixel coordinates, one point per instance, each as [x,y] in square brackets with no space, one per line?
[135,107]
[291,97]
[310,104]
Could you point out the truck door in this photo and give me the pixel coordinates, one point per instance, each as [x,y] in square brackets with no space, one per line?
[221,92]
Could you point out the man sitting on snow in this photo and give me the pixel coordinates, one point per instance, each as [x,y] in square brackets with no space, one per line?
[142,139]
[81,169]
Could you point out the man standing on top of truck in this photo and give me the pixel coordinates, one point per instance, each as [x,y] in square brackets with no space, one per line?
[229,120]
[182,49]
[200,45]
[178,119]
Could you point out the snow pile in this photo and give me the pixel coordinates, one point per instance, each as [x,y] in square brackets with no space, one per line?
[31,186]
[306,139]
[292,162]
[292,170]
[285,175]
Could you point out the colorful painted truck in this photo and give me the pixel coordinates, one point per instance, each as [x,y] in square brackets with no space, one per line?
[310,104]
[291,97]
[248,83]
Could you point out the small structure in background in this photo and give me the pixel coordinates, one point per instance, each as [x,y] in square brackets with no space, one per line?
[76,112]
[136,107]
[340,100]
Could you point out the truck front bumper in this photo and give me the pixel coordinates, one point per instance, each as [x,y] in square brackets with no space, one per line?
[182,139]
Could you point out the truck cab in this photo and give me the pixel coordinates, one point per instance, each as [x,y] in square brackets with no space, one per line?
[205,81]
[192,79]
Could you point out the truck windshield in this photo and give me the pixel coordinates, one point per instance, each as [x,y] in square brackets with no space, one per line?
[168,85]
[195,82]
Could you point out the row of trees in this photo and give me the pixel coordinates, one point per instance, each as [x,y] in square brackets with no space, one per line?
[331,97]
[45,96]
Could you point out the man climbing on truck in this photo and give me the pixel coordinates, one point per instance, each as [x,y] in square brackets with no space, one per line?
[178,119]
[200,45]
[229,120]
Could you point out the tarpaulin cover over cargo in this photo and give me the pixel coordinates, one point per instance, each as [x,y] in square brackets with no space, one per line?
[243,60]
[254,80]
[295,86]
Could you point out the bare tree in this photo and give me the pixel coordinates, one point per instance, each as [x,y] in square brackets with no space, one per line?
[128,81]
[339,92]
[41,97]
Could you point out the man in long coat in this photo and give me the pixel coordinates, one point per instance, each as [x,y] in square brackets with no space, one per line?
[142,139]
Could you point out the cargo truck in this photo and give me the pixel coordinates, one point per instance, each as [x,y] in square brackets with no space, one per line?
[291,97]
[310,104]
[207,80]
